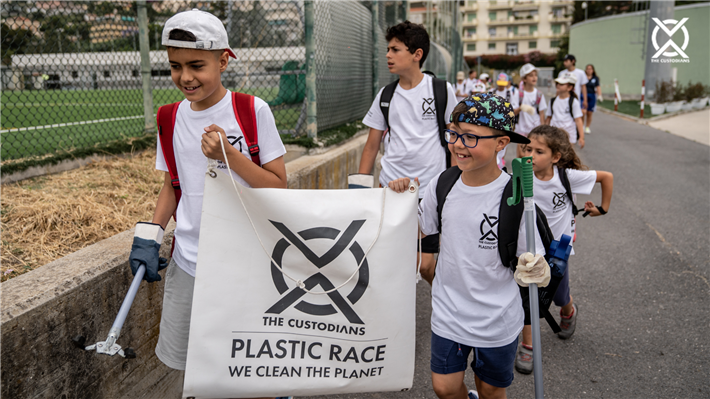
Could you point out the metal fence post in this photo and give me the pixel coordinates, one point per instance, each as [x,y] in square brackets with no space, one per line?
[311,100]
[375,48]
[145,67]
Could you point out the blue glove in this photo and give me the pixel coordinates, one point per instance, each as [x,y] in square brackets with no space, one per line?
[145,251]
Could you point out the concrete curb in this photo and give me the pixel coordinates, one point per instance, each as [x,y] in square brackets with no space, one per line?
[649,120]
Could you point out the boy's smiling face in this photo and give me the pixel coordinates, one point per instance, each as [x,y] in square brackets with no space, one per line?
[484,154]
[197,73]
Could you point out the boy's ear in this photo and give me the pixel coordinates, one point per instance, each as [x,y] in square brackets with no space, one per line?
[223,61]
[501,142]
[418,54]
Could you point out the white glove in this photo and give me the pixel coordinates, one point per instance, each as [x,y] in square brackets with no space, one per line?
[600,98]
[532,269]
[527,109]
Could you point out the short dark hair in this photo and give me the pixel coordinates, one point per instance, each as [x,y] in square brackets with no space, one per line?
[414,36]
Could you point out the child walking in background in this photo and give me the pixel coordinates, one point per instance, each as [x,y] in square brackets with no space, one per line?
[553,159]
[532,104]
[565,110]
[503,89]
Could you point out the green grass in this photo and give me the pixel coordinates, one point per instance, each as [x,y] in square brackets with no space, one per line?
[631,108]
[41,108]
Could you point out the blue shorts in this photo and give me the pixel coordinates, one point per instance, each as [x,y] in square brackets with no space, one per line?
[591,102]
[493,366]
[561,297]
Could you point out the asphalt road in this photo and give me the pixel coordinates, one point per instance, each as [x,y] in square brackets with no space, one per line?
[641,278]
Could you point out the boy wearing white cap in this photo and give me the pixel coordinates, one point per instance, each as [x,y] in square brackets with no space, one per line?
[462,87]
[532,104]
[198,52]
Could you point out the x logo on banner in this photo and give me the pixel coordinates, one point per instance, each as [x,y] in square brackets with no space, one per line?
[670,33]
[318,278]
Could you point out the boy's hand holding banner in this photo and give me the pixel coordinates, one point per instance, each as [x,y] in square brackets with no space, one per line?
[257,332]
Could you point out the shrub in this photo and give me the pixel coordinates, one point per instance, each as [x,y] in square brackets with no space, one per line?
[693,91]
[678,92]
[664,92]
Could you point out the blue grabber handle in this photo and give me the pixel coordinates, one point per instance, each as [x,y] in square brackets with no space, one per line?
[523,187]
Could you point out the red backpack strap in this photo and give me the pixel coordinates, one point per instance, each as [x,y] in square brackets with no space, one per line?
[166,128]
[246,118]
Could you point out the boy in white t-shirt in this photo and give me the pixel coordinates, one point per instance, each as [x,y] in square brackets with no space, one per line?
[463,89]
[565,110]
[503,89]
[476,303]
[412,144]
[205,115]
[532,104]
[580,85]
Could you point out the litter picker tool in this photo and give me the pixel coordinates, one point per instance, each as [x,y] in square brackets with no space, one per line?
[523,179]
[110,347]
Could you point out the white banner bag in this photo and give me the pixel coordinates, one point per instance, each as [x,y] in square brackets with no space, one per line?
[302,292]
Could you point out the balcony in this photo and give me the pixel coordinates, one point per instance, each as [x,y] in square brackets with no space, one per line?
[512,36]
[560,18]
[469,23]
[470,38]
[526,5]
[500,5]
[470,6]
[514,21]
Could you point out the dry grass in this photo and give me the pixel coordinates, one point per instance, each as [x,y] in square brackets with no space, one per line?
[48,217]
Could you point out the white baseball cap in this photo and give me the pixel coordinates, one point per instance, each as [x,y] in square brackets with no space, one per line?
[207,28]
[526,69]
[479,87]
[484,76]
[567,79]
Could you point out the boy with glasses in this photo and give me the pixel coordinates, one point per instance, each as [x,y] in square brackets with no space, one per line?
[476,303]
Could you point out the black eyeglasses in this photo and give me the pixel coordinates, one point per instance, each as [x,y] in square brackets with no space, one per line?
[468,140]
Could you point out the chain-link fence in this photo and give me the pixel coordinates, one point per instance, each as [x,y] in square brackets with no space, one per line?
[72,78]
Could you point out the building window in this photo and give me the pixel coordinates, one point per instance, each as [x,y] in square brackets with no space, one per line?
[74,74]
[532,45]
[492,32]
[471,17]
[513,30]
[556,28]
[492,15]
[471,47]
[533,29]
[107,74]
[491,46]
[554,43]
[511,48]
[558,12]
[510,14]
[470,32]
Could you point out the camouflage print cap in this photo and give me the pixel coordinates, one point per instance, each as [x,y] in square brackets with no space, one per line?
[485,109]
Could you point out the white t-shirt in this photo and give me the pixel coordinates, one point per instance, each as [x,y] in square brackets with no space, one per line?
[528,122]
[553,201]
[191,164]
[512,97]
[561,116]
[412,146]
[581,79]
[475,300]
[465,90]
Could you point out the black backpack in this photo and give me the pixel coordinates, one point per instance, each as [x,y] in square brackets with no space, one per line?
[509,218]
[565,182]
[440,102]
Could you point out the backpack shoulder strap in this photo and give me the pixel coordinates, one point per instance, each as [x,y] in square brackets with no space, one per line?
[386,99]
[446,182]
[166,129]
[552,105]
[441,99]
[243,105]
[565,183]
[571,102]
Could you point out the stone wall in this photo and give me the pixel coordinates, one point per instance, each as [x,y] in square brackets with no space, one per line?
[80,294]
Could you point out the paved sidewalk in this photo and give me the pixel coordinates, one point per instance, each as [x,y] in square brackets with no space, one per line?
[693,126]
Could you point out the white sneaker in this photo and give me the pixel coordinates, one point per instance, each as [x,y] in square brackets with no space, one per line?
[587,130]
[472,394]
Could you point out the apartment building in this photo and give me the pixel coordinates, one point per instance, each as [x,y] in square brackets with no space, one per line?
[514,27]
